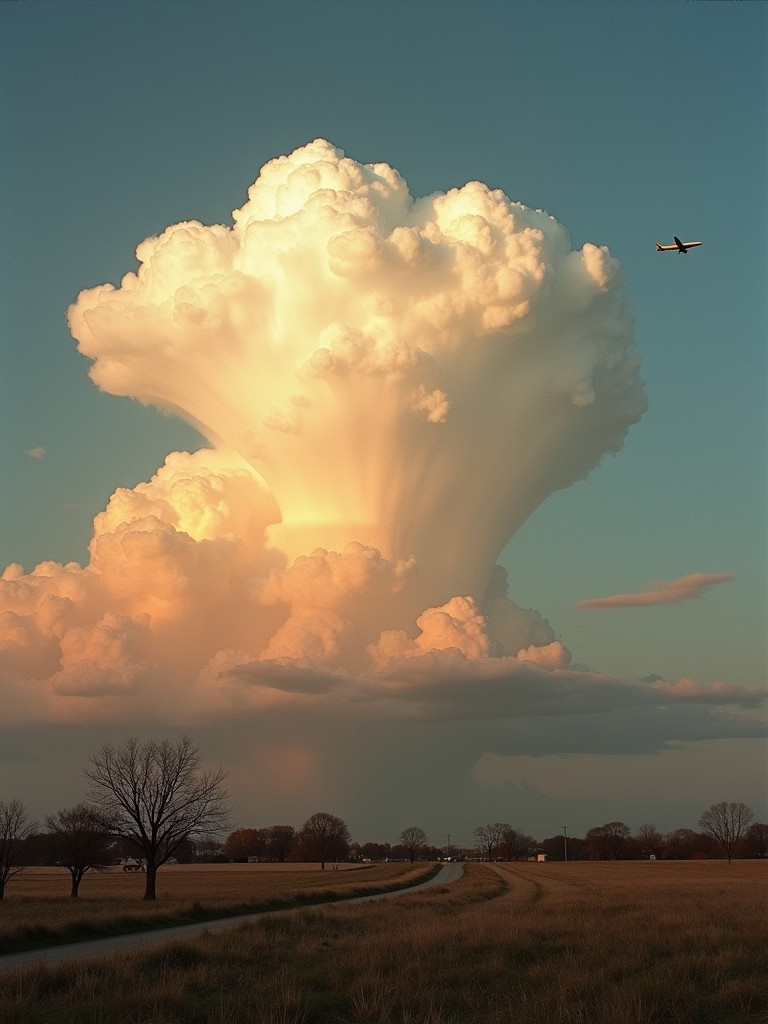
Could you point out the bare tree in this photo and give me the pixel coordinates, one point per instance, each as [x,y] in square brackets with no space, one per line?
[208,850]
[608,841]
[726,823]
[489,837]
[375,851]
[244,843]
[281,839]
[557,846]
[80,839]
[757,837]
[157,797]
[681,844]
[413,839]
[15,829]
[516,844]
[649,840]
[324,836]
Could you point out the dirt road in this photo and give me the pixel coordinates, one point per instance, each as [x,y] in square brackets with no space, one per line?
[122,943]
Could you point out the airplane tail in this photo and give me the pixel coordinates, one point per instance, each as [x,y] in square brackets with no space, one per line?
[659,247]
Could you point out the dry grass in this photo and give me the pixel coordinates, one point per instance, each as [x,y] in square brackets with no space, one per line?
[37,909]
[626,943]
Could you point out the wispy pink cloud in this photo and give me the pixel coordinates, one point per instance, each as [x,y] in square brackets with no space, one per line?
[662,593]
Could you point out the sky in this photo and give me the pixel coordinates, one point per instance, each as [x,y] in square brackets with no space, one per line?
[388,274]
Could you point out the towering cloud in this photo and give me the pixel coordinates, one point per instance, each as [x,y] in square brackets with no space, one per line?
[417,375]
[390,386]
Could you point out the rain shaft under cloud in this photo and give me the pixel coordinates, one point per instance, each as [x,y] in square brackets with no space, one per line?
[390,386]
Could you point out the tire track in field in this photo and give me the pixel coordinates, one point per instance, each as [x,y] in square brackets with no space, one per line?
[539,881]
[530,891]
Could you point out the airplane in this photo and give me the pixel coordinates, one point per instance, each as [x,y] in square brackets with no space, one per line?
[680,246]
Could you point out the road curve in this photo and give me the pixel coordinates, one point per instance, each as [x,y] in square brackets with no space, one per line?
[55,955]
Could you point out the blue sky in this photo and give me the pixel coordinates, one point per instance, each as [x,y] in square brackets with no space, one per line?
[628,122]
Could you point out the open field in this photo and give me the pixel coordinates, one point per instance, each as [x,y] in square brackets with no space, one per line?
[37,910]
[582,943]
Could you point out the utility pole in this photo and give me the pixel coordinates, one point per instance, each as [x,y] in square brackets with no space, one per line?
[565,842]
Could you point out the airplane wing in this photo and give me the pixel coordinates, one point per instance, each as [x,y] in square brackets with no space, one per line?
[681,247]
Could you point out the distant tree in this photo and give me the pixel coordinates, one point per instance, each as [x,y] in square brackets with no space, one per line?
[208,851]
[186,852]
[595,841]
[375,851]
[649,840]
[413,839]
[120,848]
[617,834]
[80,839]
[756,839]
[726,823]
[515,845]
[608,841]
[244,843]
[555,847]
[680,844]
[157,797]
[489,836]
[281,841]
[38,851]
[15,830]
[324,837]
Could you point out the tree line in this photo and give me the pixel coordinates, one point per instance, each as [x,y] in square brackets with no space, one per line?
[726,829]
[152,801]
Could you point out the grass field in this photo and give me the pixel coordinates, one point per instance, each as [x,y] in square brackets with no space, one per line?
[581,943]
[37,910]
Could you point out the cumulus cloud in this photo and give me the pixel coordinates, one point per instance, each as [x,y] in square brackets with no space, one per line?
[400,372]
[390,386]
[661,593]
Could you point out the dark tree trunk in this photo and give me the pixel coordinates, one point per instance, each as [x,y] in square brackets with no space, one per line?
[77,877]
[149,891]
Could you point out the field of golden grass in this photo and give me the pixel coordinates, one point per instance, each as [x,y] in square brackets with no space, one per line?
[580,943]
[37,909]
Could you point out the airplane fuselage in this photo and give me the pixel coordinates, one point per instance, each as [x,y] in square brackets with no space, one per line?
[679,246]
